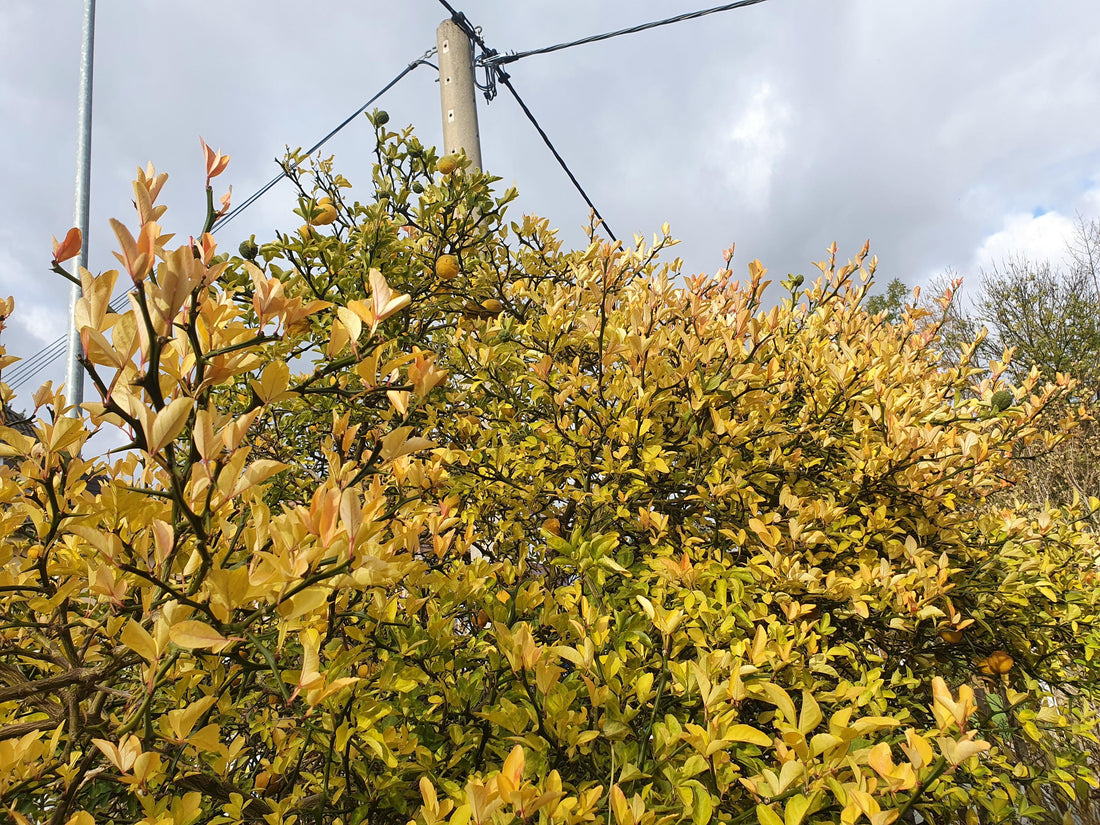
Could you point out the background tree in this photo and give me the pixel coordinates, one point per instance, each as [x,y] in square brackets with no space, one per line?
[1048,315]
[892,302]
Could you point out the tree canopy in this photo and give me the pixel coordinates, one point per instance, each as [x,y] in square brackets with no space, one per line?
[425,518]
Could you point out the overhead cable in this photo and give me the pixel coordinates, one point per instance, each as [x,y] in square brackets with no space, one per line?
[503,77]
[421,61]
[501,59]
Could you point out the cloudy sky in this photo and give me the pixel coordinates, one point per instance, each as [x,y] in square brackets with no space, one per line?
[949,133]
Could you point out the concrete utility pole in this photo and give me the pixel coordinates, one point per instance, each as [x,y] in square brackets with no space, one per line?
[457,92]
[74,373]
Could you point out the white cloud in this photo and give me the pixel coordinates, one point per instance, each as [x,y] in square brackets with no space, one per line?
[755,145]
[41,322]
[1036,237]
[1040,236]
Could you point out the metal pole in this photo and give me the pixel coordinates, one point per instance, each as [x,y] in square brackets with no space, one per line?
[74,373]
[457,92]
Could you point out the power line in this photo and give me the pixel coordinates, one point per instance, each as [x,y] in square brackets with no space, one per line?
[259,193]
[27,368]
[501,59]
[503,77]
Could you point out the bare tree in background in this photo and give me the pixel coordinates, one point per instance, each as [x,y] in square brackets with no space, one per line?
[1049,313]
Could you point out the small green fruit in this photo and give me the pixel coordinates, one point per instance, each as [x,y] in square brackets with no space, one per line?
[1001,401]
[381,117]
[418,188]
[248,249]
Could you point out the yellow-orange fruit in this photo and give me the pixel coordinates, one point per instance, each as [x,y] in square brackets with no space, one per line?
[446,266]
[324,214]
[951,636]
[492,305]
[552,525]
[447,164]
[363,671]
[998,662]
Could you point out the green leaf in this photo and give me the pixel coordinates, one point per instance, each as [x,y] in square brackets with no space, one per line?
[703,808]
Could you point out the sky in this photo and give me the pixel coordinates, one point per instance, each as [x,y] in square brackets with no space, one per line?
[950,134]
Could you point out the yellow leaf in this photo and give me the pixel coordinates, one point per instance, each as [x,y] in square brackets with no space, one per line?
[619,806]
[137,638]
[427,791]
[182,720]
[570,654]
[303,602]
[315,696]
[789,773]
[257,473]
[795,809]
[206,739]
[702,808]
[957,752]
[810,716]
[918,750]
[766,816]
[396,443]
[273,383]
[869,724]
[191,634]
[168,424]
[823,742]
[881,760]
[748,734]
[512,771]
[353,324]
[386,301]
[781,699]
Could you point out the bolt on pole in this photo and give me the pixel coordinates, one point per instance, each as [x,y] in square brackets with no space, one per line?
[74,373]
[457,92]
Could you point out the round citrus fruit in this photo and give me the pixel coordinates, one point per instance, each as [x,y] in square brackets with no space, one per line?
[1001,400]
[999,662]
[446,266]
[324,214]
[447,164]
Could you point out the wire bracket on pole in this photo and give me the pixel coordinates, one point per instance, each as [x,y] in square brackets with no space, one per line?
[488,60]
